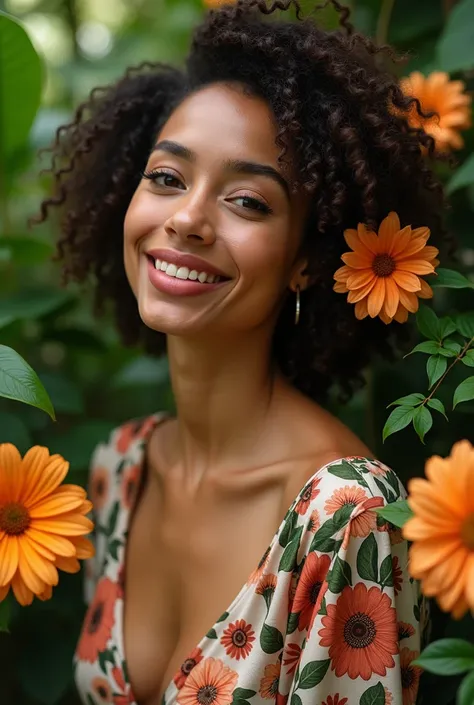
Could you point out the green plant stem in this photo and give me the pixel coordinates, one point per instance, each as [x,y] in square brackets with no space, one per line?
[456,360]
[383,21]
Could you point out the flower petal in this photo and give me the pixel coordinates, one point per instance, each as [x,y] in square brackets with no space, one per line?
[53,505]
[426,554]
[402,241]
[68,565]
[361,311]
[356,260]
[45,473]
[356,244]
[43,569]
[401,315]
[406,280]
[8,559]
[392,297]
[376,298]
[369,239]
[84,547]
[60,545]
[409,300]
[426,291]
[360,278]
[415,266]
[21,591]
[27,572]
[10,463]
[77,525]
[359,294]
[388,230]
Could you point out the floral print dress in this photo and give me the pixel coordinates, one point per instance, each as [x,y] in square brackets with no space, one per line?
[330,616]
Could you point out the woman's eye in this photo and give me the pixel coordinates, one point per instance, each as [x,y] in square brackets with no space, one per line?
[162,178]
[253,204]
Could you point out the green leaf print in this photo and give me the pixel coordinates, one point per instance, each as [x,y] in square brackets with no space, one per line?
[313,673]
[296,700]
[211,634]
[367,559]
[322,609]
[113,519]
[223,617]
[386,572]
[271,639]
[243,693]
[345,471]
[322,540]
[113,548]
[392,480]
[105,656]
[288,559]
[386,492]
[293,620]
[340,575]
[286,532]
[375,695]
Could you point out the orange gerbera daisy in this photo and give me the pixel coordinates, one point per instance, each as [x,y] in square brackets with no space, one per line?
[307,495]
[187,666]
[238,639]
[211,682]
[382,274]
[270,681]
[410,676]
[442,530]
[41,524]
[361,632]
[436,93]
[314,573]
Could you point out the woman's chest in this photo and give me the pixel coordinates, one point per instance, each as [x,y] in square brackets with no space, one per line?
[187,559]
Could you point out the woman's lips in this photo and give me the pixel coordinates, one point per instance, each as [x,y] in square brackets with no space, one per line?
[178,287]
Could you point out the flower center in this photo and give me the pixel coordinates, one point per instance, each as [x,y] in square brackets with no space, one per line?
[314,592]
[407,677]
[383,265]
[467,532]
[96,618]
[207,694]
[188,666]
[239,638]
[359,631]
[14,518]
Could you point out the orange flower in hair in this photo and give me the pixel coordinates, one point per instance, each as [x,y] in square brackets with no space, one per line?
[382,274]
[447,99]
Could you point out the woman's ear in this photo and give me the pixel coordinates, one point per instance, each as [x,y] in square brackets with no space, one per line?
[300,276]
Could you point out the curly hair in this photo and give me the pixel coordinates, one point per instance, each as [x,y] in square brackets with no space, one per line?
[342,117]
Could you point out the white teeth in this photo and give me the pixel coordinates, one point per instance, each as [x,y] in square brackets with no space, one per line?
[185,273]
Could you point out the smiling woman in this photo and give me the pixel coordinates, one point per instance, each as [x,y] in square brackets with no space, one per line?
[239,558]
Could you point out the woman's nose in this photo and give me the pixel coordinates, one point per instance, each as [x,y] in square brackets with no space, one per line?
[191,223]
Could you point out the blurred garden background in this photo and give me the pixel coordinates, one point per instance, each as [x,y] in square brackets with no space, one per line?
[94,382]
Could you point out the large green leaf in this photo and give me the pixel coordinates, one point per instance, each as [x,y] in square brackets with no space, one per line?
[24,250]
[454,46]
[464,176]
[33,303]
[447,657]
[20,382]
[20,85]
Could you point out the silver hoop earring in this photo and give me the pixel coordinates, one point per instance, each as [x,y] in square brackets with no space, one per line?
[298,305]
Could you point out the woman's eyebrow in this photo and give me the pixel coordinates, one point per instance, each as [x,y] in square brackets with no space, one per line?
[238,166]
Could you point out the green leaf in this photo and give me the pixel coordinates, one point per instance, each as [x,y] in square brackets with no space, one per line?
[463,176]
[344,470]
[422,422]
[271,639]
[447,326]
[323,540]
[112,523]
[450,279]
[114,547]
[386,571]
[409,400]
[436,366]
[288,559]
[398,419]
[456,37]
[296,700]
[222,618]
[465,694]
[464,391]
[5,613]
[287,530]
[20,382]
[211,634]
[24,250]
[430,347]
[367,559]
[396,513]
[243,693]
[20,86]
[292,623]
[437,405]
[465,324]
[384,490]
[447,657]
[450,346]
[313,673]
[340,575]
[34,303]
[428,323]
[375,695]
[468,358]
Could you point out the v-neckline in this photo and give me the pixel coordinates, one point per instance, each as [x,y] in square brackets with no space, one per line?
[171,687]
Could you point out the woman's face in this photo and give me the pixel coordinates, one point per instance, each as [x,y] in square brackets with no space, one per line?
[215,192]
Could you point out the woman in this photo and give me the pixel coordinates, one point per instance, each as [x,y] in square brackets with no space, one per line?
[210,204]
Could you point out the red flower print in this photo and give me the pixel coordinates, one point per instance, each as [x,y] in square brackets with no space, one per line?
[237,639]
[314,572]
[361,632]
[410,676]
[186,667]
[260,569]
[133,430]
[314,521]
[375,467]
[363,522]
[270,681]
[129,488]
[405,630]
[99,486]
[98,622]
[124,697]
[334,700]
[291,657]
[101,689]
[209,683]
[266,587]
[317,606]
[397,575]
[306,497]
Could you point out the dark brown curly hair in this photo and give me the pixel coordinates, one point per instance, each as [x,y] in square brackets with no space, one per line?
[355,155]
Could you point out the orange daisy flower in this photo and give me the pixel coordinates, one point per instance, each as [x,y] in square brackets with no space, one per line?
[309,493]
[216,3]
[211,682]
[266,587]
[98,623]
[270,681]
[187,666]
[388,697]
[314,522]
[405,630]
[382,274]
[436,93]
[361,632]
[312,578]
[362,524]
[42,524]
[397,575]
[125,696]
[410,676]
[442,530]
[237,639]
